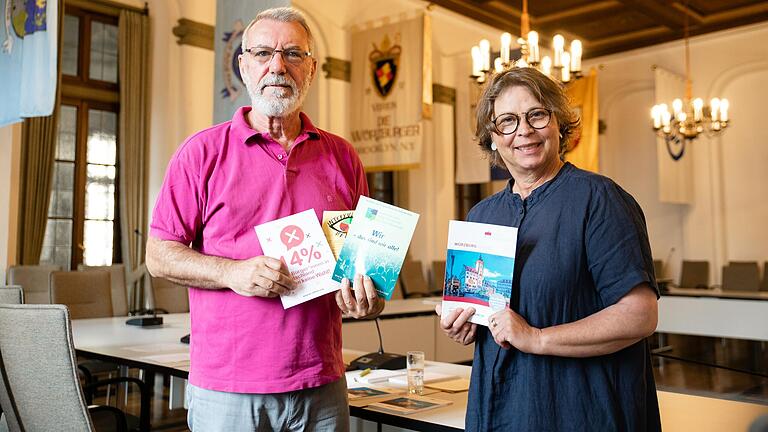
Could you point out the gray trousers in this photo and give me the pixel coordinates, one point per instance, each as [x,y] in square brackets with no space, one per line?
[322,408]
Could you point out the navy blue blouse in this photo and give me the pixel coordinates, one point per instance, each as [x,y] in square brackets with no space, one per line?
[582,245]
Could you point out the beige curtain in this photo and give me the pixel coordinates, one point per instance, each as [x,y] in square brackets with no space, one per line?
[38,146]
[133,46]
[38,150]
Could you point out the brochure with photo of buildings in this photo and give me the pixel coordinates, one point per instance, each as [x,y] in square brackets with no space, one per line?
[299,241]
[376,244]
[478,268]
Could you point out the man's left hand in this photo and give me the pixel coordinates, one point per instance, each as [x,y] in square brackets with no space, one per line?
[359,300]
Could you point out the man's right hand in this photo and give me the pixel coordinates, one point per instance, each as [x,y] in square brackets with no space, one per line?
[457,326]
[261,276]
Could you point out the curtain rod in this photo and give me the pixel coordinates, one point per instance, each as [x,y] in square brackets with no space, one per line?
[106,7]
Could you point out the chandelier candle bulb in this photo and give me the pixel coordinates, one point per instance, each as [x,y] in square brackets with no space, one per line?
[724,110]
[546,66]
[476,61]
[698,109]
[498,66]
[714,106]
[576,55]
[506,44]
[566,67]
[533,47]
[485,51]
[677,106]
[557,46]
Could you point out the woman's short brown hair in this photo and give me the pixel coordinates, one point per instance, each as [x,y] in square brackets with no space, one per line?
[547,91]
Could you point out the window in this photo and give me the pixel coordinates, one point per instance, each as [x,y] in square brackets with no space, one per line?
[82,214]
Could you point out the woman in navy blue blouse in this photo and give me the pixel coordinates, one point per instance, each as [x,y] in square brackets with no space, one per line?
[570,353]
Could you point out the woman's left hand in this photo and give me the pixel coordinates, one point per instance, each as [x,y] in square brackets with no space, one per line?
[510,330]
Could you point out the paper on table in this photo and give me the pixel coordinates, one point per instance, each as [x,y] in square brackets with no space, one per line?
[450,386]
[429,377]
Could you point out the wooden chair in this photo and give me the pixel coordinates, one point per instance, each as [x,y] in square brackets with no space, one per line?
[412,280]
[117,281]
[33,279]
[40,374]
[694,274]
[87,294]
[438,276]
[764,284]
[169,297]
[658,268]
[741,276]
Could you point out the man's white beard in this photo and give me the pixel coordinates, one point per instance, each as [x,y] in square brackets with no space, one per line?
[274,105]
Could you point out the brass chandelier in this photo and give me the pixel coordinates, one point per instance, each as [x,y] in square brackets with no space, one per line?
[563,65]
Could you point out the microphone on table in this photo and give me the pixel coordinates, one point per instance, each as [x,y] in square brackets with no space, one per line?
[379,359]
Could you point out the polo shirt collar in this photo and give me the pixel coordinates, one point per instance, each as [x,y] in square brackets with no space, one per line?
[242,130]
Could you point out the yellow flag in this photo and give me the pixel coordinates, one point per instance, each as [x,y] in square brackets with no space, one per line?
[583,148]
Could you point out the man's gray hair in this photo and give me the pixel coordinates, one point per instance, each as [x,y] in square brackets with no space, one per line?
[281,14]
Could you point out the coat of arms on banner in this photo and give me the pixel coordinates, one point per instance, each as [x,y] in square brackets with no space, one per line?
[384,62]
[24,17]
[233,82]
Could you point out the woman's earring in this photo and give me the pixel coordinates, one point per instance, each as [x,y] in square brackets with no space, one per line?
[561,135]
[493,146]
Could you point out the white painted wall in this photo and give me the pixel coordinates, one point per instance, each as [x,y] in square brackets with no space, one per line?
[727,220]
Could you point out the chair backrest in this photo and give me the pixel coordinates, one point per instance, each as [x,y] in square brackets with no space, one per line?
[39,362]
[741,276]
[11,294]
[412,278]
[695,274]
[33,280]
[169,296]
[87,294]
[764,284]
[119,291]
[9,420]
[658,268]
[438,276]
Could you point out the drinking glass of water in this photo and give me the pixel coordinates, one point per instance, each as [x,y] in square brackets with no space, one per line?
[415,365]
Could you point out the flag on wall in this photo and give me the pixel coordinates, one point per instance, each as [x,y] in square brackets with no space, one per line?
[232,16]
[389,93]
[28,56]
[583,150]
[675,176]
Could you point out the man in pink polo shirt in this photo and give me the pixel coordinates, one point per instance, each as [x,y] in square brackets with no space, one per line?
[255,365]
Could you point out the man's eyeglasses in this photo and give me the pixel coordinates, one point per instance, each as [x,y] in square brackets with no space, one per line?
[507,123]
[264,55]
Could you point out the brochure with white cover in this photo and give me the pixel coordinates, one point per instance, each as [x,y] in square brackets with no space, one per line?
[299,241]
[478,268]
[376,244]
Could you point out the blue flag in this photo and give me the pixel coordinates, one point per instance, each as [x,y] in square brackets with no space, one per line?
[28,54]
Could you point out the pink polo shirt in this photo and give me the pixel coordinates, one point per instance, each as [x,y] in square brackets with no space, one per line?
[221,183]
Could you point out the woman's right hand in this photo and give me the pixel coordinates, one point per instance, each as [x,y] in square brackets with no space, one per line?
[457,326]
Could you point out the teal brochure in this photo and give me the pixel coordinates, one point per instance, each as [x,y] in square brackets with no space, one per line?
[376,244]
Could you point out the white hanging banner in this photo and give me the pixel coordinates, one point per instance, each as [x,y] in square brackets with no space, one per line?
[472,165]
[675,175]
[388,95]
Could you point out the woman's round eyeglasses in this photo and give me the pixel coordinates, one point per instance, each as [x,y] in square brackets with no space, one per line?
[507,123]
